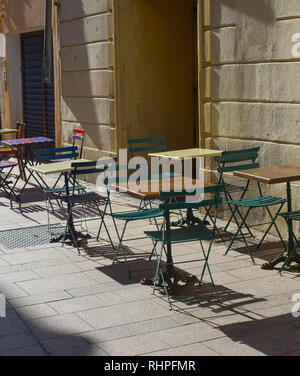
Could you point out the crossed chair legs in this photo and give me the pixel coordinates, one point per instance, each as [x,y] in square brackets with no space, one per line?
[121,248]
[161,274]
[240,226]
[289,217]
[71,229]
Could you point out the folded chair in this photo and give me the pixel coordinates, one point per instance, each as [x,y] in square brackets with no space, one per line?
[167,236]
[73,199]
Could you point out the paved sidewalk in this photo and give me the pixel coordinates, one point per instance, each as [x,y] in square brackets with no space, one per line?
[60,303]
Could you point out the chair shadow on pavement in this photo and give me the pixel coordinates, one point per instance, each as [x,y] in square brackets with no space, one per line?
[267,251]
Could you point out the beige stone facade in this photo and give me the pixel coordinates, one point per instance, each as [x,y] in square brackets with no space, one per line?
[252,91]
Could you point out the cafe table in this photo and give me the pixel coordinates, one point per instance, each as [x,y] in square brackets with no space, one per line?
[286,173]
[150,190]
[64,168]
[26,157]
[183,154]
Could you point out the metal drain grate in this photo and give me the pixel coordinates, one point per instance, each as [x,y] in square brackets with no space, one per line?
[29,236]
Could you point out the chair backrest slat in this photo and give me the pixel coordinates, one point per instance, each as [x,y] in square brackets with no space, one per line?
[240,151]
[78,135]
[44,158]
[78,138]
[80,131]
[56,150]
[191,205]
[90,167]
[156,144]
[206,189]
[215,189]
[56,154]
[147,148]
[161,139]
[234,160]
[237,157]
[247,166]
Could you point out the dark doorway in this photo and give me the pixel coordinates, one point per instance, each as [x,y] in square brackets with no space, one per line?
[38,98]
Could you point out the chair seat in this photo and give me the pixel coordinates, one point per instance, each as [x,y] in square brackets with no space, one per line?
[258,201]
[81,198]
[184,234]
[294,215]
[137,215]
[63,189]
[60,160]
[6,164]
[233,188]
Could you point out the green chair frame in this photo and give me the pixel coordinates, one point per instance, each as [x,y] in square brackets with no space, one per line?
[149,145]
[230,161]
[74,198]
[251,204]
[126,218]
[289,217]
[53,155]
[182,235]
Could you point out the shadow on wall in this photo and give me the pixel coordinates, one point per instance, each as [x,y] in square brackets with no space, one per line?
[261,10]
[18,18]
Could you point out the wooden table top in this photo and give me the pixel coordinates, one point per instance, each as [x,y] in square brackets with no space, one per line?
[55,167]
[187,153]
[272,174]
[150,190]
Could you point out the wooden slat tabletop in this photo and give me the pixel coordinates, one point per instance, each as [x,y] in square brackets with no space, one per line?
[150,190]
[272,174]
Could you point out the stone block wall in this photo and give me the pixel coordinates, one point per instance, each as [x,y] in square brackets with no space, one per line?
[252,90]
[87,74]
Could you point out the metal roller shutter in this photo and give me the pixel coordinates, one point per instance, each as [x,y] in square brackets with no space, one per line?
[38,98]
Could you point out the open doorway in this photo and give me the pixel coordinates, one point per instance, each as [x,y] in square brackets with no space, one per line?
[158,71]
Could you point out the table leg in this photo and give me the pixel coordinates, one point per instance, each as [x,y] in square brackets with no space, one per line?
[190,219]
[170,275]
[72,235]
[281,258]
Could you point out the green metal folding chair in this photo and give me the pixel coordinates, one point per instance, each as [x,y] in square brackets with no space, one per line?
[127,217]
[252,204]
[74,199]
[230,161]
[150,145]
[167,236]
[51,156]
[6,168]
[289,217]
